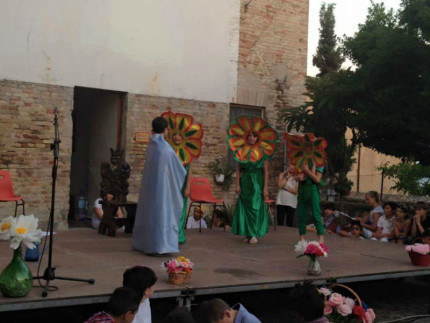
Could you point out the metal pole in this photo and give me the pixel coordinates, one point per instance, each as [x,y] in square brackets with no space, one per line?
[382,184]
[358,168]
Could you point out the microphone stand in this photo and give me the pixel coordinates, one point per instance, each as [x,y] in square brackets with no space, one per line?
[49,273]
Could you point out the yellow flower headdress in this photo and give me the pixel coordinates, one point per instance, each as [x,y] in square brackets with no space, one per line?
[191,144]
[306,148]
[244,152]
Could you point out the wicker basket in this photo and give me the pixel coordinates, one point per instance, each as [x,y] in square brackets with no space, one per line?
[357,298]
[418,259]
[179,278]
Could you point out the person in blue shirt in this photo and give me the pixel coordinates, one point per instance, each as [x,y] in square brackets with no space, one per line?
[218,311]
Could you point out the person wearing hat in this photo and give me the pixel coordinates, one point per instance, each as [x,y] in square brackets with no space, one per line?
[196,221]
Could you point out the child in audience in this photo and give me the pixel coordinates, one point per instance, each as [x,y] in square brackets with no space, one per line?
[401,225]
[121,308]
[370,226]
[219,219]
[142,280]
[420,221]
[331,223]
[305,300]
[218,311]
[197,220]
[384,231]
[355,232]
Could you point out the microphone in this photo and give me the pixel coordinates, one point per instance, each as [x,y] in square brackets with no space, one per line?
[56,111]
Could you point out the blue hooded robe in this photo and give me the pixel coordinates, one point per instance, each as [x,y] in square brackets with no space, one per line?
[159,208]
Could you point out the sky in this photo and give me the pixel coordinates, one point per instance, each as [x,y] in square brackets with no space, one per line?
[348,14]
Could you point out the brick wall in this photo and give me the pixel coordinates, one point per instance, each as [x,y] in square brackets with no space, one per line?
[141,109]
[26,133]
[272,60]
[272,69]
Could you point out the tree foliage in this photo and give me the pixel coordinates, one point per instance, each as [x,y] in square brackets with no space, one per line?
[391,85]
[409,177]
[327,112]
[328,57]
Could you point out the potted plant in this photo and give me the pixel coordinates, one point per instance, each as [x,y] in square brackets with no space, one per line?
[223,172]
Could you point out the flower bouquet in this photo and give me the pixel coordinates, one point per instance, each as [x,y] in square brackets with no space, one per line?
[419,254]
[179,270]
[313,250]
[16,279]
[341,309]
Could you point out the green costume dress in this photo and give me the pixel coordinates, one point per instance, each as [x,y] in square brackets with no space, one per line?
[309,196]
[250,216]
[182,238]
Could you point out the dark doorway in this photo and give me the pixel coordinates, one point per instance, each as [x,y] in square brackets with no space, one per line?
[98,125]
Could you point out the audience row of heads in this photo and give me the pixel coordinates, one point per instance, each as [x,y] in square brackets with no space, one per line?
[372,199]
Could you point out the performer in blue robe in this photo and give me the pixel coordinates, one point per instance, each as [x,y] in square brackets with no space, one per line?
[160,203]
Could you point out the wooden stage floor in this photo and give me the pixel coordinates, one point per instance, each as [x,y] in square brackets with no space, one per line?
[223,264]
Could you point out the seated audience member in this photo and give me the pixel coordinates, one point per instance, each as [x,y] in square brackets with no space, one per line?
[142,280]
[331,223]
[401,225]
[98,210]
[196,220]
[385,231]
[218,311]
[370,226]
[356,231]
[179,315]
[305,300]
[420,221]
[219,219]
[121,308]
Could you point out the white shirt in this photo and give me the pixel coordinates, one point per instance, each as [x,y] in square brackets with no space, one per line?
[95,221]
[286,198]
[193,224]
[385,224]
[143,314]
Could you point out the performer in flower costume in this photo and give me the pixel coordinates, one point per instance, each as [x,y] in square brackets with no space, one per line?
[253,142]
[185,137]
[307,154]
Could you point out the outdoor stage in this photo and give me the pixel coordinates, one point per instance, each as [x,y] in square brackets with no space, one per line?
[223,264]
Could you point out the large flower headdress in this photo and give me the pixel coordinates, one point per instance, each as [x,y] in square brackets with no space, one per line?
[191,144]
[244,152]
[306,148]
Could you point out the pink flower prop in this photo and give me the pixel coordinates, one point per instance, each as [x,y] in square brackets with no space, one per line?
[327,308]
[335,299]
[325,291]
[344,309]
[371,313]
[350,302]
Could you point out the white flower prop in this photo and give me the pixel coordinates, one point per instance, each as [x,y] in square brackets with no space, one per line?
[5,226]
[300,247]
[24,229]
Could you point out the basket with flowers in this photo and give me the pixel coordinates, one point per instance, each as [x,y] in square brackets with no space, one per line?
[179,270]
[341,309]
[419,254]
[313,250]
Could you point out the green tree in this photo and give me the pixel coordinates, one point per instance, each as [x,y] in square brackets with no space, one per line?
[409,177]
[328,57]
[326,113]
[390,89]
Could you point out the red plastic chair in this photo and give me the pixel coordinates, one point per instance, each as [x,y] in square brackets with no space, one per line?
[6,191]
[271,210]
[201,193]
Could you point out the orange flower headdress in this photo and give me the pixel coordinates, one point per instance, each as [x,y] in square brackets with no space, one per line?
[306,148]
[191,133]
[244,152]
